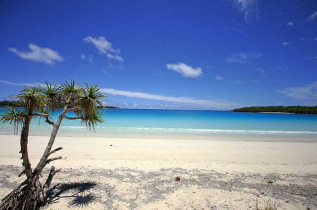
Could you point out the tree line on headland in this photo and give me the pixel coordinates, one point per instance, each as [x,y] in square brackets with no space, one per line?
[283,109]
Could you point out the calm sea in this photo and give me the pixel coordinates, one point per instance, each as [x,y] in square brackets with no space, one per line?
[186,124]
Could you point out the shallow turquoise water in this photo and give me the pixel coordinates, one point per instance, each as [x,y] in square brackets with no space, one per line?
[186,123]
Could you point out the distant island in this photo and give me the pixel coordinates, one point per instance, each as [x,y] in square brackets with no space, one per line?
[6,103]
[279,109]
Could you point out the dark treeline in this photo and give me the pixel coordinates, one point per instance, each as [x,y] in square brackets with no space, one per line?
[7,103]
[286,109]
[10,103]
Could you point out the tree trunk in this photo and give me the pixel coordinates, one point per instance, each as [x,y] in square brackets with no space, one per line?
[39,168]
[30,194]
[43,162]
[24,146]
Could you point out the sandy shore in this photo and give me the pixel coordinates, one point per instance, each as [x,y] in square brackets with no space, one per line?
[116,173]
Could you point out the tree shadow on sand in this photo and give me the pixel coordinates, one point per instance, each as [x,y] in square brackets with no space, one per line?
[77,192]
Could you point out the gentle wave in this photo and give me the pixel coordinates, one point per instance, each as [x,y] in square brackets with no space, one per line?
[202,131]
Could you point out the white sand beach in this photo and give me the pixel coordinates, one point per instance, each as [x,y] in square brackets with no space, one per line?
[139,173]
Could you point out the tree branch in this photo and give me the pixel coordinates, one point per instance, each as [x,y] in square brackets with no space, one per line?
[52,159]
[72,109]
[39,115]
[48,121]
[55,150]
[72,118]
[50,178]
[23,172]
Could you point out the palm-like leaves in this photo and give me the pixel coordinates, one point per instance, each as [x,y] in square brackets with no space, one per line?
[89,100]
[39,101]
[31,98]
[14,117]
[90,121]
[53,98]
[70,88]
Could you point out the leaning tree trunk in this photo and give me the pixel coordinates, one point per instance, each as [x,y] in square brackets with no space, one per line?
[30,194]
[44,159]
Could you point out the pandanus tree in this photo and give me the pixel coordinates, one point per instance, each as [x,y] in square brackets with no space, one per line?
[42,102]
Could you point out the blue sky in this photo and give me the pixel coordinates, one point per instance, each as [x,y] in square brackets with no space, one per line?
[193,54]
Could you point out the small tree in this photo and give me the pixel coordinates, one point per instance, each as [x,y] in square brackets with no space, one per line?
[42,102]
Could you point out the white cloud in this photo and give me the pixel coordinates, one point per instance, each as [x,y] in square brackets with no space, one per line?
[19,84]
[304,92]
[114,57]
[104,47]
[218,78]
[312,17]
[38,54]
[249,8]
[111,66]
[310,39]
[101,44]
[212,104]
[185,70]
[208,104]
[285,43]
[90,58]
[246,58]
[290,24]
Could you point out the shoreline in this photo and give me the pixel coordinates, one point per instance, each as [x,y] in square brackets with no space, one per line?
[275,112]
[250,136]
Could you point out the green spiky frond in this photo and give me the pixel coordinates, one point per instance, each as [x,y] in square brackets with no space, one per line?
[70,89]
[53,98]
[93,92]
[31,98]
[41,102]
[89,100]
[92,120]
[14,117]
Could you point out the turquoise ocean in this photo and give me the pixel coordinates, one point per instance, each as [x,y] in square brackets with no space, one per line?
[185,124]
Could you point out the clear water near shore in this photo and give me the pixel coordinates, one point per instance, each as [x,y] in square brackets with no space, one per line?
[180,123]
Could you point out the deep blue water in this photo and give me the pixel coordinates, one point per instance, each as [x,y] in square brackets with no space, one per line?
[187,123]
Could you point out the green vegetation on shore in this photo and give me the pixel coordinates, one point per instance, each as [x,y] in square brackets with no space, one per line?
[284,109]
[6,103]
